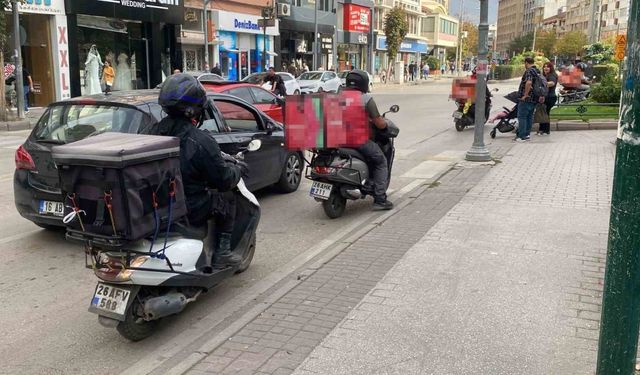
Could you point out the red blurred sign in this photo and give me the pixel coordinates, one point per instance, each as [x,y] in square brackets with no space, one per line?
[357,18]
[325,120]
[463,88]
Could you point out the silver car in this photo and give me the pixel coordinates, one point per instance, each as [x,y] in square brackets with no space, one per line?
[319,81]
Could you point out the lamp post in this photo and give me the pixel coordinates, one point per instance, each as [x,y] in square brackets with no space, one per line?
[459,55]
[17,58]
[205,21]
[315,34]
[478,151]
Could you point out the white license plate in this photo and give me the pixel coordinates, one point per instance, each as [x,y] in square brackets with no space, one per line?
[51,208]
[110,298]
[457,115]
[320,190]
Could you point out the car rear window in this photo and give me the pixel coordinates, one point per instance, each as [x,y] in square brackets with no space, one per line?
[70,123]
[310,76]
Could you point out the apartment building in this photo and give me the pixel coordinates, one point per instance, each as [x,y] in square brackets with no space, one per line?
[510,22]
[613,18]
[440,29]
[578,15]
[533,15]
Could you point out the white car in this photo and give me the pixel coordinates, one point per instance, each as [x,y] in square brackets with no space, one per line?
[343,79]
[290,83]
[319,81]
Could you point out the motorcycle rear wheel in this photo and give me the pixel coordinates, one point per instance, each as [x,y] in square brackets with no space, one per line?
[459,126]
[335,205]
[248,257]
[134,328]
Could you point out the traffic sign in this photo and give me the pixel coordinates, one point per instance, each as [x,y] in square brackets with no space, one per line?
[621,46]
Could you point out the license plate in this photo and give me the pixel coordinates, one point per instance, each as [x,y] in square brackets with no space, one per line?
[110,299]
[457,115]
[51,208]
[320,190]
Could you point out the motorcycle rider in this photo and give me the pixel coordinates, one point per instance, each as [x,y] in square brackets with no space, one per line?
[358,79]
[202,165]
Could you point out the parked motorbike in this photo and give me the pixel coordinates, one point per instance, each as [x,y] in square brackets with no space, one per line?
[339,174]
[465,114]
[10,94]
[145,282]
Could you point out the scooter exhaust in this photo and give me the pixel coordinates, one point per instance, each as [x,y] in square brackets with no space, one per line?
[169,304]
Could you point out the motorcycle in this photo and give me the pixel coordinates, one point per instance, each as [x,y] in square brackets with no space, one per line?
[10,94]
[339,174]
[145,282]
[465,114]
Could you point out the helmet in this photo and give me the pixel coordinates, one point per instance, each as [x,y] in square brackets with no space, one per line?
[182,95]
[581,66]
[358,79]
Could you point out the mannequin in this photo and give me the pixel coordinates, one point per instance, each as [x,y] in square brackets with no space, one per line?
[123,74]
[92,67]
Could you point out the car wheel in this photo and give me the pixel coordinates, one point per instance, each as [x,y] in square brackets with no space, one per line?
[291,173]
[297,92]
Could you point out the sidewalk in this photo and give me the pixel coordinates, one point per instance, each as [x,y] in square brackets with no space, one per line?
[27,123]
[509,281]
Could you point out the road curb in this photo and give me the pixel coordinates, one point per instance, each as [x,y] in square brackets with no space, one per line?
[15,125]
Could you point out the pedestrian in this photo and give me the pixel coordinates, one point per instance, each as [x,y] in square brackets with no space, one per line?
[443,67]
[527,102]
[321,68]
[452,67]
[305,67]
[425,71]
[551,76]
[27,84]
[277,84]
[406,73]
[176,71]
[216,70]
[108,75]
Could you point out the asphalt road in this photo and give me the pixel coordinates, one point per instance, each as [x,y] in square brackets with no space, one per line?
[45,289]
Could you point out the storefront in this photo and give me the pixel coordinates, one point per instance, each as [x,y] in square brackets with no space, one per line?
[43,37]
[241,44]
[410,50]
[138,38]
[354,36]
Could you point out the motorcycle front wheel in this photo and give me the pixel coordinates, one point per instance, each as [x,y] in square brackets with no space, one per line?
[335,205]
[134,327]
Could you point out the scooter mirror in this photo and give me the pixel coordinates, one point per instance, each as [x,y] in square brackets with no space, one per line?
[254,145]
[394,108]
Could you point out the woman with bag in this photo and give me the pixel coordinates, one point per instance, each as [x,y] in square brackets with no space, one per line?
[552,81]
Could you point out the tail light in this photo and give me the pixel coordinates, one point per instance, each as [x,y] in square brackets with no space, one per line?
[324,170]
[112,269]
[24,160]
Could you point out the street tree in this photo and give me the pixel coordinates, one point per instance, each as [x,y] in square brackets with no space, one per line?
[546,42]
[396,28]
[571,44]
[470,43]
[521,43]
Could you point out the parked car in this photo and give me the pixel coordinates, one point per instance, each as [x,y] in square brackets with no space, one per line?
[209,77]
[263,99]
[343,79]
[290,83]
[319,81]
[230,120]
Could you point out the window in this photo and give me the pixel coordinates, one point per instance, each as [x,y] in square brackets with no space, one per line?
[242,93]
[70,123]
[191,60]
[428,25]
[285,77]
[237,117]
[192,19]
[262,96]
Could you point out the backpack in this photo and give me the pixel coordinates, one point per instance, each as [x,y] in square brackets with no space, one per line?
[540,88]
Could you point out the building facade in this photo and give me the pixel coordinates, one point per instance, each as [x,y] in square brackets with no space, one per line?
[44,48]
[613,18]
[354,35]
[440,29]
[510,22]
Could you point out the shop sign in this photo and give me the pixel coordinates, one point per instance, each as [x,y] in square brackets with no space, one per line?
[167,11]
[62,48]
[356,38]
[142,4]
[357,18]
[407,45]
[242,23]
[41,7]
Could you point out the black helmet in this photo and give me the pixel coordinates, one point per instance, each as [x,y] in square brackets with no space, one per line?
[581,66]
[182,95]
[358,79]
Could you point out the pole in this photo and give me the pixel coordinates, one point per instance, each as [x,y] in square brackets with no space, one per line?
[264,46]
[620,319]
[478,151]
[205,22]
[535,30]
[459,57]
[592,22]
[17,58]
[315,35]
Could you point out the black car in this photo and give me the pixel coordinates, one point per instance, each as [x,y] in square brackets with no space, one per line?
[230,120]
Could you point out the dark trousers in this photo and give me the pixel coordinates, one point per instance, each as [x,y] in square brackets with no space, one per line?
[223,210]
[378,167]
[549,102]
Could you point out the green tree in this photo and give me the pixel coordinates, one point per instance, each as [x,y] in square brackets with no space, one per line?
[546,41]
[396,28]
[521,43]
[470,43]
[571,44]
[598,53]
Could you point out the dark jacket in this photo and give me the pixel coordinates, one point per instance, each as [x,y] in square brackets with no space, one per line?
[201,164]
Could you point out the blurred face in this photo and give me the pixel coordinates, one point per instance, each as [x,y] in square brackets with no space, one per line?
[547,69]
[271,73]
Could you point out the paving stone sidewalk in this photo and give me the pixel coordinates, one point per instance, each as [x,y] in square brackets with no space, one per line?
[279,340]
[509,281]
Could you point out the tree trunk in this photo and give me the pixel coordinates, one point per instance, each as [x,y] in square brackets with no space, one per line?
[3,101]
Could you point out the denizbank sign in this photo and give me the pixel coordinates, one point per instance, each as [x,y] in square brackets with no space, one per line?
[240,23]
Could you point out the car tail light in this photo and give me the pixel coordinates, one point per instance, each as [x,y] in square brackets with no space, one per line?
[324,170]
[24,160]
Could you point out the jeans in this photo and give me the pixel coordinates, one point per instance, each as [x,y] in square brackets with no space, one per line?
[378,167]
[26,98]
[525,119]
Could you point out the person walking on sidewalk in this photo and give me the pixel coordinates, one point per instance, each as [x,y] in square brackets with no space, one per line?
[108,74]
[527,103]
[550,100]
[27,84]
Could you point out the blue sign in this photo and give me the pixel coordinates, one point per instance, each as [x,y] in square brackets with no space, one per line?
[247,25]
[407,45]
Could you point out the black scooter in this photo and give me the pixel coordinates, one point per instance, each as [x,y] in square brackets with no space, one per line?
[339,174]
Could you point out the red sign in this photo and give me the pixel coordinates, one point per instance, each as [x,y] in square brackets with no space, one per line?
[357,18]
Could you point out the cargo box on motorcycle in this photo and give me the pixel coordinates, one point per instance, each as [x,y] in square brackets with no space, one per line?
[120,187]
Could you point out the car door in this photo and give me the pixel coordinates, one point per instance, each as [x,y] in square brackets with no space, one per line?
[243,123]
[333,80]
[242,93]
[267,103]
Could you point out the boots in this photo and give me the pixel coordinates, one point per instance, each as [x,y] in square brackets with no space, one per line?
[223,256]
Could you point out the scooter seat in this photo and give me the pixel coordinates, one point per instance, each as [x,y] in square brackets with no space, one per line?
[351,152]
[191,232]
